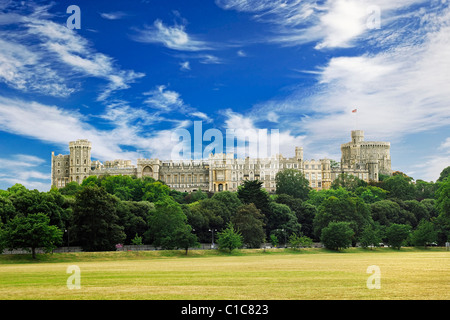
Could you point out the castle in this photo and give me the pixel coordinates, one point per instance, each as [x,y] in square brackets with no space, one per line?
[220,172]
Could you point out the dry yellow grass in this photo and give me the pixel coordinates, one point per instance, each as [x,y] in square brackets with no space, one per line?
[295,276]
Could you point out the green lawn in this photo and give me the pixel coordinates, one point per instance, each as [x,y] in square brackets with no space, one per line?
[210,275]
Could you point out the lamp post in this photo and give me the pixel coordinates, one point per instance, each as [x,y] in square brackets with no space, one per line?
[212,237]
[68,239]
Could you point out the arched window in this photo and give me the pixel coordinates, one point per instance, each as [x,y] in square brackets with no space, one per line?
[147,171]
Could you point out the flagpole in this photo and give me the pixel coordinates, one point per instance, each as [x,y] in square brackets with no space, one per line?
[356,118]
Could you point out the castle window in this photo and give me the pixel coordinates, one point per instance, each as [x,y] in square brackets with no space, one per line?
[59,163]
[84,161]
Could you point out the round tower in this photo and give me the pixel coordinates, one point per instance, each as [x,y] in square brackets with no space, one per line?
[80,160]
[299,154]
[357,136]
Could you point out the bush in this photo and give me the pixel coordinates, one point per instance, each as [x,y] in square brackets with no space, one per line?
[229,238]
[297,242]
[397,234]
[337,236]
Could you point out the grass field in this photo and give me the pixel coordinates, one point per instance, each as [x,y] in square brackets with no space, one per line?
[248,274]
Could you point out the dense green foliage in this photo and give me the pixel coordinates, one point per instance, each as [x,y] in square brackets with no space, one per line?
[103,212]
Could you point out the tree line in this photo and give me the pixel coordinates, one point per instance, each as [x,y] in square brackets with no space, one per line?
[105,211]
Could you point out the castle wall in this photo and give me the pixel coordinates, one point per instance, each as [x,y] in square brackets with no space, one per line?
[364,159]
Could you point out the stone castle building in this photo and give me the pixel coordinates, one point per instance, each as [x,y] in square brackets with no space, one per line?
[222,172]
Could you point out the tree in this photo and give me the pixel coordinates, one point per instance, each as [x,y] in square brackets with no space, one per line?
[208,214]
[251,191]
[400,186]
[397,234]
[337,236]
[347,209]
[304,211]
[31,232]
[371,194]
[133,216]
[95,220]
[348,182]
[71,189]
[229,238]
[443,198]
[167,224]
[299,241]
[418,209]
[425,190]
[195,196]
[292,182]
[137,240]
[424,234]
[273,240]
[370,237]
[230,201]
[444,174]
[32,201]
[184,238]
[249,221]
[281,217]
[386,212]
[7,209]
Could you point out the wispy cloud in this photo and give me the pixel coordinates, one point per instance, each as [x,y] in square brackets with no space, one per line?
[173,37]
[52,53]
[398,89]
[117,15]
[185,66]
[52,124]
[329,24]
[24,169]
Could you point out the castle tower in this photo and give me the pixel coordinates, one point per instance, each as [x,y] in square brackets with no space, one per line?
[373,170]
[80,160]
[357,136]
[326,173]
[299,154]
[373,156]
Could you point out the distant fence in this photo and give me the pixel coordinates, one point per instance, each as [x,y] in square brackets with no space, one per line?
[203,246]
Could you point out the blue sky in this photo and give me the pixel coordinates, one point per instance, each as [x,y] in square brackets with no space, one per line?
[136,71]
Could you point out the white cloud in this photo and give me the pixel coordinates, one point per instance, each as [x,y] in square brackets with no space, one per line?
[245,128]
[55,58]
[432,165]
[185,66]
[173,37]
[398,91]
[23,169]
[164,100]
[331,24]
[117,15]
[202,116]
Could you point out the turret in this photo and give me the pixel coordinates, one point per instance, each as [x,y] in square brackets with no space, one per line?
[80,160]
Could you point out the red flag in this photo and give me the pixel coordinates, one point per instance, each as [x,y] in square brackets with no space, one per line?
[354,110]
